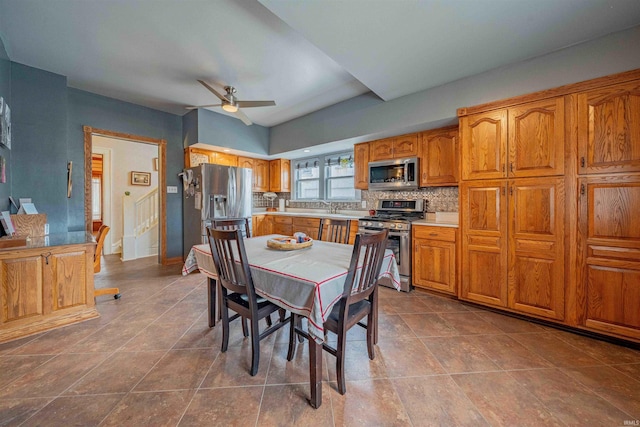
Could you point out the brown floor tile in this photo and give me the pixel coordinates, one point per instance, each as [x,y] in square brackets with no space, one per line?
[233,407]
[118,374]
[154,409]
[57,340]
[13,367]
[231,368]
[392,325]
[459,354]
[288,405]
[156,337]
[508,353]
[503,401]
[603,351]
[617,388]
[178,369]
[507,323]
[555,350]
[11,346]
[14,412]
[428,325]
[438,304]
[53,377]
[469,324]
[406,305]
[368,403]
[281,371]
[437,401]
[632,370]
[75,411]
[571,402]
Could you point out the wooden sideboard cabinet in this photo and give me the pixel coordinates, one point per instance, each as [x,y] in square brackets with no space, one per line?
[48,283]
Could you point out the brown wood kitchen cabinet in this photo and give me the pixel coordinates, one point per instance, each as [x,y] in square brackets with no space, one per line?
[513,250]
[260,169]
[261,225]
[280,175]
[306,225]
[195,156]
[283,224]
[526,140]
[361,164]
[439,157]
[608,294]
[394,148]
[609,129]
[434,258]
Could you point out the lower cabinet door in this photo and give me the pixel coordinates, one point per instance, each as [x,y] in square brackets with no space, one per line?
[434,265]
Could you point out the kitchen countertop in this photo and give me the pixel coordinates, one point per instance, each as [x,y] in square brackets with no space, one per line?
[351,215]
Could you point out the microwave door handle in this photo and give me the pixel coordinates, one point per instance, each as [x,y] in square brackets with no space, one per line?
[406,173]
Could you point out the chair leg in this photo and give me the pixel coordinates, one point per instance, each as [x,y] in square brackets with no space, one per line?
[283,314]
[268,319]
[292,334]
[245,331]
[255,348]
[371,335]
[225,325]
[299,325]
[342,387]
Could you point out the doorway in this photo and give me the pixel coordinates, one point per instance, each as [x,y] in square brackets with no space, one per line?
[89,133]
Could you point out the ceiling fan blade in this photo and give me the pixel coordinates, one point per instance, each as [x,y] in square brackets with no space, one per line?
[239,114]
[212,90]
[249,104]
[195,107]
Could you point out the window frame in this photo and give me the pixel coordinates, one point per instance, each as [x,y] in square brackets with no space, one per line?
[323,178]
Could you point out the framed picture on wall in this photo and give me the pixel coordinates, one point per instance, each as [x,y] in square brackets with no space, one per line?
[140,178]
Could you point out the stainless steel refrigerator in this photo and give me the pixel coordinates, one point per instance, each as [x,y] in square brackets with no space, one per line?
[213,192]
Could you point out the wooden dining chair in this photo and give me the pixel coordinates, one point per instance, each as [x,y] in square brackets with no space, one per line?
[231,223]
[334,230]
[359,300]
[102,234]
[238,292]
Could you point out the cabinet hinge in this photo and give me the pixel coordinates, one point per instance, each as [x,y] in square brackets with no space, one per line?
[582,162]
[582,189]
[511,191]
[511,166]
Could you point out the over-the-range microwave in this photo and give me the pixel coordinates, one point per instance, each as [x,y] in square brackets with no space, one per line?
[396,174]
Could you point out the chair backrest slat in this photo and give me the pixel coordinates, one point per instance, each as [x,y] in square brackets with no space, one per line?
[337,230]
[230,260]
[366,260]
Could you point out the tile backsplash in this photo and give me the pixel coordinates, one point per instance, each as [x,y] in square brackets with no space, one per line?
[438,199]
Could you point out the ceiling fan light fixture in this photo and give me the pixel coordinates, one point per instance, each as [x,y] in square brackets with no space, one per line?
[230,108]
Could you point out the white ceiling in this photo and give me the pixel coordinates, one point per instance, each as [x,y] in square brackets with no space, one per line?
[305,55]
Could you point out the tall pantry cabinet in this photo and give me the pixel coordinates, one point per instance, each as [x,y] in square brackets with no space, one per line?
[550,205]
[512,207]
[608,285]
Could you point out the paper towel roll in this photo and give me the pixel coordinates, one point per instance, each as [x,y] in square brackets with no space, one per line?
[281,205]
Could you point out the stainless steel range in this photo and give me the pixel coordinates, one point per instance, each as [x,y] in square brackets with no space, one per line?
[396,216]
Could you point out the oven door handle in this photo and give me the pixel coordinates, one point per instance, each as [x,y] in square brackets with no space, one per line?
[391,233]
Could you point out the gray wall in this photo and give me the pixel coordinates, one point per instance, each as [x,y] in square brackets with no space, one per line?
[87,109]
[5,92]
[225,131]
[366,117]
[39,142]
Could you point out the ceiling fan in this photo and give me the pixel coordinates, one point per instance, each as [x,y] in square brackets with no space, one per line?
[231,104]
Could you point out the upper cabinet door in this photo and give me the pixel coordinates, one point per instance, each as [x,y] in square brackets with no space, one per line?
[609,129]
[361,161]
[381,149]
[261,175]
[405,146]
[484,143]
[536,139]
[439,157]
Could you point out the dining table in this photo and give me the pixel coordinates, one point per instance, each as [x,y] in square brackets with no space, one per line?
[308,282]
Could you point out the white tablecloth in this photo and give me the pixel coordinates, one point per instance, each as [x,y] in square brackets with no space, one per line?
[306,281]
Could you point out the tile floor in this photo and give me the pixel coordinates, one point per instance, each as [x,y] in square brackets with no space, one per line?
[151,359]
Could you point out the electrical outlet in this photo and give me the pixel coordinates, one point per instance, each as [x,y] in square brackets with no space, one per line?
[287,202]
[364,204]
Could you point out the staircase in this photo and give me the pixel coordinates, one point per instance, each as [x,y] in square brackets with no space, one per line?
[140,221]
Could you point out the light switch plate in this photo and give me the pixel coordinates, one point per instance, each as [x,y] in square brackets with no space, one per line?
[172,189]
